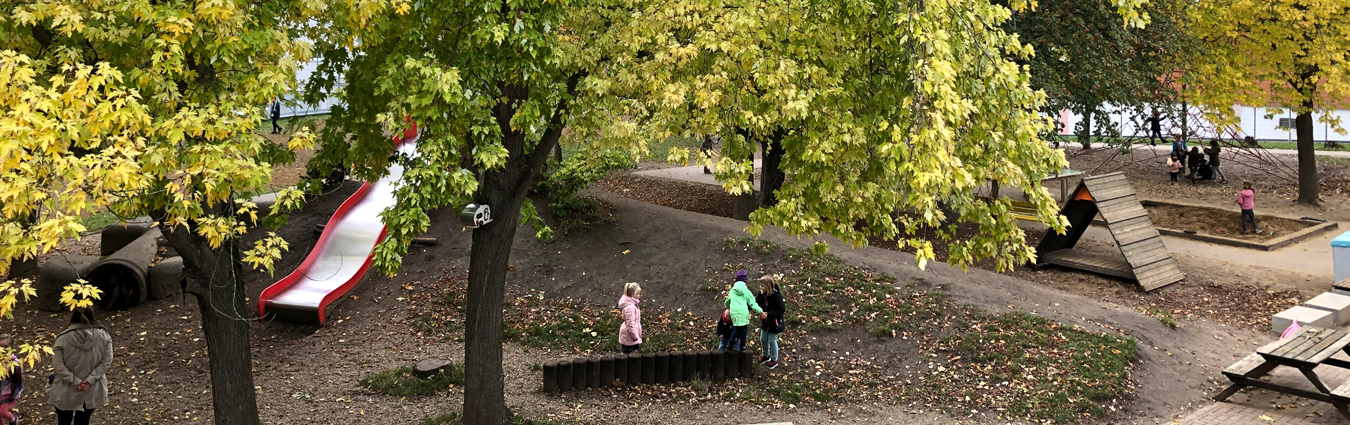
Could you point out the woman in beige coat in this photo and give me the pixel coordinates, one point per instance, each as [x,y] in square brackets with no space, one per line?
[81,358]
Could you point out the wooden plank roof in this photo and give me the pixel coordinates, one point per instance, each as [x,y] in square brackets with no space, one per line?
[1150,262]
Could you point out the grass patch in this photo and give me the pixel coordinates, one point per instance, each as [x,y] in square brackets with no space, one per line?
[1163,316]
[1035,368]
[710,285]
[1334,161]
[400,382]
[97,221]
[748,243]
[1294,146]
[660,150]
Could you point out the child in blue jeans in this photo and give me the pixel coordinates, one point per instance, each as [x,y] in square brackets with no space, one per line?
[770,299]
[724,330]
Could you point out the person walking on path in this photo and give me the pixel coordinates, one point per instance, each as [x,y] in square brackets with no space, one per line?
[276,115]
[770,299]
[11,387]
[1174,167]
[740,301]
[1213,152]
[80,359]
[1247,203]
[1155,128]
[630,332]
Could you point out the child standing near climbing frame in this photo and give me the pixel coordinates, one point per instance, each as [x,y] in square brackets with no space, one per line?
[1247,203]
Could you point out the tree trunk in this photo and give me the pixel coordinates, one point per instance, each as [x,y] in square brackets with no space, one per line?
[1085,135]
[557,153]
[746,203]
[484,390]
[214,278]
[1185,120]
[505,190]
[1307,156]
[771,174]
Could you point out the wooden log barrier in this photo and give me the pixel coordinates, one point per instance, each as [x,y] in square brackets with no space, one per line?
[551,377]
[704,370]
[579,374]
[662,368]
[677,366]
[606,371]
[732,361]
[593,372]
[690,365]
[649,368]
[719,365]
[634,369]
[747,364]
[621,369]
[565,375]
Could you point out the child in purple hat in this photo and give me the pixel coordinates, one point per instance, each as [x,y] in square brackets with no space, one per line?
[740,301]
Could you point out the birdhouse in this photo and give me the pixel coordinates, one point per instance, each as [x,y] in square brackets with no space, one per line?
[475,215]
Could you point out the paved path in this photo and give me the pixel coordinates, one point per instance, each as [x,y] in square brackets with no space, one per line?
[1256,406]
[1312,256]
[690,174]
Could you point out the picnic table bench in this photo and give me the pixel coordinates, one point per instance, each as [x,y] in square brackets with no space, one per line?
[1305,350]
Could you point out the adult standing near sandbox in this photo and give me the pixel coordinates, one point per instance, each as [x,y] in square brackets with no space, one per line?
[80,359]
[771,300]
[630,331]
[740,301]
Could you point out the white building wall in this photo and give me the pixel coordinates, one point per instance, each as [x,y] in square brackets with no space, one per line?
[1253,123]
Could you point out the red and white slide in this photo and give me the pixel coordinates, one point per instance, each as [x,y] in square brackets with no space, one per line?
[343,253]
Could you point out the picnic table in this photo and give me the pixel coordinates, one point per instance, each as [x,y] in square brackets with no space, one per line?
[1305,350]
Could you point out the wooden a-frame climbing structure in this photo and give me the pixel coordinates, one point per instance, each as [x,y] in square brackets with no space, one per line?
[1146,261]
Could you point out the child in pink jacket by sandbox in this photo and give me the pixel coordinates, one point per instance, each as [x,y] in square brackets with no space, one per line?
[630,332]
[1247,202]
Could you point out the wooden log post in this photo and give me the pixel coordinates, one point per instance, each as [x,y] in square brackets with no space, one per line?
[649,368]
[662,367]
[690,365]
[551,377]
[747,365]
[564,375]
[579,373]
[634,369]
[719,361]
[704,369]
[677,367]
[620,369]
[593,372]
[606,371]
[732,362]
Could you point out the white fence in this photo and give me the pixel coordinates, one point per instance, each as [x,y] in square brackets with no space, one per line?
[1254,123]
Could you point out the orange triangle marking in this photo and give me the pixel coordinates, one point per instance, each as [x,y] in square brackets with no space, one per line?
[1083,195]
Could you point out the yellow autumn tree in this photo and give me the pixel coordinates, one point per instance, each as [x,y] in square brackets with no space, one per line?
[142,107]
[1288,54]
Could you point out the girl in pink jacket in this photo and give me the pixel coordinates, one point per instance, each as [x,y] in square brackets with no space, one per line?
[1247,202]
[630,332]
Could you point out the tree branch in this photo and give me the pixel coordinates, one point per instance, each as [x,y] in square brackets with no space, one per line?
[539,156]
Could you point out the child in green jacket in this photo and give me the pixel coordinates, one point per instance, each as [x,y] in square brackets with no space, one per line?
[740,301]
